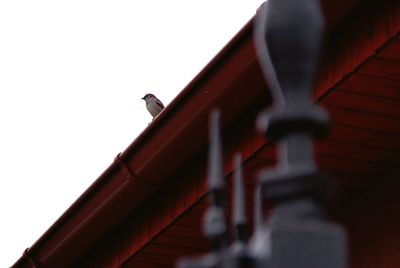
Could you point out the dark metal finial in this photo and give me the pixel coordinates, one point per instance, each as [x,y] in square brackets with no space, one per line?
[239,213]
[214,217]
[215,174]
[293,40]
[214,220]
[298,235]
[263,56]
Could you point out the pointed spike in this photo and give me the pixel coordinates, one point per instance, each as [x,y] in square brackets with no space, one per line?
[215,173]
[214,218]
[258,214]
[239,214]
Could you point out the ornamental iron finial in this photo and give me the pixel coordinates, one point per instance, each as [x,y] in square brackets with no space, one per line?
[214,220]
[288,52]
[239,213]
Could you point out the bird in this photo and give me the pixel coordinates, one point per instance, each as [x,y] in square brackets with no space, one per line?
[153,105]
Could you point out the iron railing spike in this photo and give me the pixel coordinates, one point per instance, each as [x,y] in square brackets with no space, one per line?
[215,173]
[214,218]
[239,213]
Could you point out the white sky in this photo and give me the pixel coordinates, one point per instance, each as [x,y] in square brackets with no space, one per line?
[71,77]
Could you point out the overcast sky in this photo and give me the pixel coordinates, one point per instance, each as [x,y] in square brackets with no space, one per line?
[72,74]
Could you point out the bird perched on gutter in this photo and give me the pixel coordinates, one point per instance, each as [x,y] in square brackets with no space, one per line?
[153,105]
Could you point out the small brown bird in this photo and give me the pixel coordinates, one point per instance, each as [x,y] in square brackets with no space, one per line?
[153,105]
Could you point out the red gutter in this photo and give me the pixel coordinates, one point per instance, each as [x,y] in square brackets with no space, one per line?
[163,148]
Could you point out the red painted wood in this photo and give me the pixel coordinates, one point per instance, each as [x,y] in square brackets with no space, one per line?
[335,11]
[125,246]
[191,220]
[382,68]
[349,184]
[326,161]
[183,230]
[358,151]
[356,41]
[336,62]
[153,258]
[371,85]
[364,103]
[199,244]
[393,23]
[142,264]
[348,117]
[164,249]
[391,51]
[370,138]
[380,28]
[138,235]
[373,221]
[364,41]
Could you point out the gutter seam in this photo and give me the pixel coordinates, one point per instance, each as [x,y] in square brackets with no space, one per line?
[130,174]
[30,258]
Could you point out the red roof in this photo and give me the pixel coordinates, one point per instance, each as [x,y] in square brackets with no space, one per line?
[145,209]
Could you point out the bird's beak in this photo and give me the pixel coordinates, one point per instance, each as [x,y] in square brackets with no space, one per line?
[143,98]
